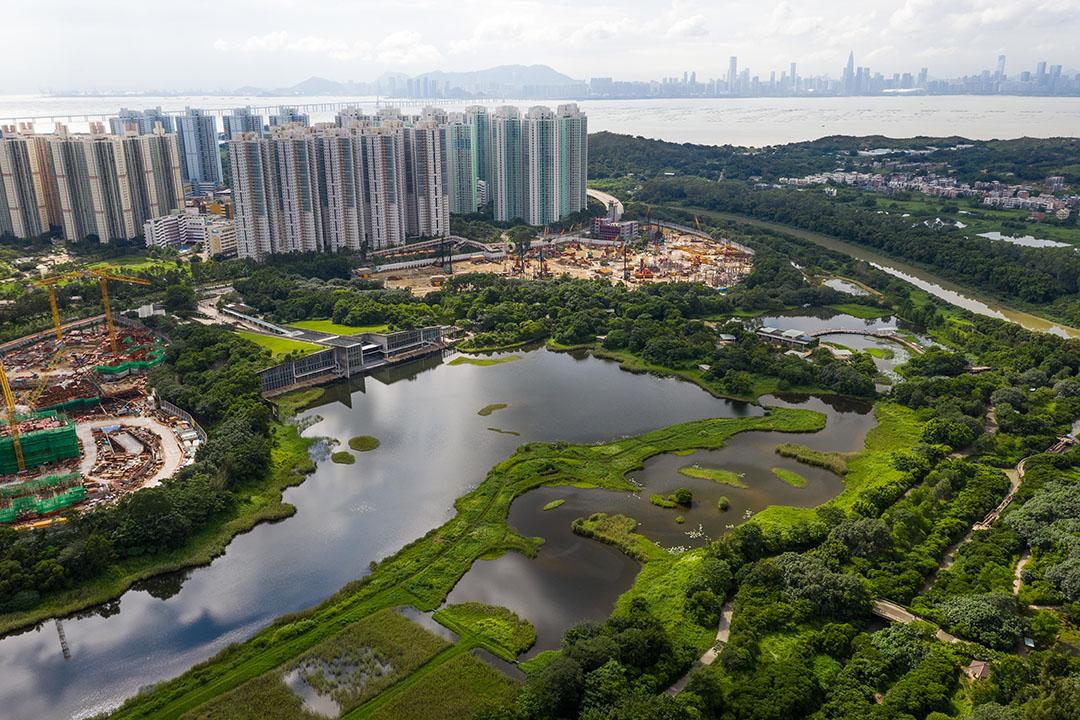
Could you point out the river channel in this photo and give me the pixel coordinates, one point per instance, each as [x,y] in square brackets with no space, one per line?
[435,447]
[948,291]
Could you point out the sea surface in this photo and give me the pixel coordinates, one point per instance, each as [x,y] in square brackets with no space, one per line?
[714,121]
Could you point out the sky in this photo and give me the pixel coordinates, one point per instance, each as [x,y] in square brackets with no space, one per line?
[202,44]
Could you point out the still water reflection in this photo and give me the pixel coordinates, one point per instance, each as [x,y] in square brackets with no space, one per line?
[434,448]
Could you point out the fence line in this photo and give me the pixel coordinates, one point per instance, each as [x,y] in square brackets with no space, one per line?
[184,415]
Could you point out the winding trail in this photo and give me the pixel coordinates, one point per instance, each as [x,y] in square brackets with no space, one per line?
[723,631]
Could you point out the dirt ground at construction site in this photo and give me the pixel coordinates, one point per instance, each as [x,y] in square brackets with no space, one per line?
[123,441]
[674,257]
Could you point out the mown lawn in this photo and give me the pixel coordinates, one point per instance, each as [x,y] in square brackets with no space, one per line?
[277,345]
[329,326]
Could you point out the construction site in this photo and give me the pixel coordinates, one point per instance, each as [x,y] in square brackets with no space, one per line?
[660,253]
[80,428]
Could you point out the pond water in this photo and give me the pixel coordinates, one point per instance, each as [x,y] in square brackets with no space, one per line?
[1025,240]
[574,579]
[434,449]
[844,286]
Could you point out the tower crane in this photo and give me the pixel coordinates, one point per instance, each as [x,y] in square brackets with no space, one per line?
[13,422]
[102,276]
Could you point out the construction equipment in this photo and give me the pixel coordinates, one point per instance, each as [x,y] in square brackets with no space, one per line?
[31,401]
[102,276]
[13,421]
[697,223]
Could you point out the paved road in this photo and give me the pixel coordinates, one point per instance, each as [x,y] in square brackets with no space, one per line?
[169,446]
[605,198]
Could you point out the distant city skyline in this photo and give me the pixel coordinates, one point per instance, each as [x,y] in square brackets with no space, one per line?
[279,43]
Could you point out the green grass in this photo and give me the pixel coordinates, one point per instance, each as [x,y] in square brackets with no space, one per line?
[483,362]
[254,504]
[494,628]
[343,458]
[883,353]
[329,326]
[423,572]
[456,691]
[342,666]
[488,409]
[539,662]
[351,667]
[863,312]
[296,400]
[661,501]
[725,477]
[266,697]
[873,467]
[363,443]
[791,478]
[279,346]
[554,504]
[723,503]
[128,263]
[833,461]
[618,530]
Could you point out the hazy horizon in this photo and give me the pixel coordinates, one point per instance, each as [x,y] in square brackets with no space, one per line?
[278,43]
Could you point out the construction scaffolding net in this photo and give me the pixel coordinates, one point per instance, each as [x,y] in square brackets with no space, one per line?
[39,446]
[40,496]
[150,355]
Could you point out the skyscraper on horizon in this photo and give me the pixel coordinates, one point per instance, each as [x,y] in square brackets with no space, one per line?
[849,74]
[732,73]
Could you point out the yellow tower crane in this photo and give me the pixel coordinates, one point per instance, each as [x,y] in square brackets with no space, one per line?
[9,400]
[31,400]
[102,276]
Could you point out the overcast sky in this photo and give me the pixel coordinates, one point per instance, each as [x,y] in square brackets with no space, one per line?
[185,44]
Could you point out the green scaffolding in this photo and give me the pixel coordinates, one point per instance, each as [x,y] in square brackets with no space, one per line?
[41,446]
[41,496]
[155,355]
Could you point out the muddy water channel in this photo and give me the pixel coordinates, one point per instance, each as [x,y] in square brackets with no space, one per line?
[435,448]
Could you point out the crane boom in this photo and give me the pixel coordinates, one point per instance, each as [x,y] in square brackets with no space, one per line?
[9,400]
[87,273]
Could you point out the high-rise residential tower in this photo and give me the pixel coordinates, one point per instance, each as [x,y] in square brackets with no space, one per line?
[287,115]
[94,188]
[460,142]
[200,158]
[23,212]
[143,120]
[153,165]
[241,120]
[507,182]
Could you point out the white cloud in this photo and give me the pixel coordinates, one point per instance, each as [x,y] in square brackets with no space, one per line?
[691,27]
[406,47]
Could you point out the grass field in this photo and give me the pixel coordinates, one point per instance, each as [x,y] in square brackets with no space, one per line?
[791,478]
[277,345]
[343,458]
[488,409]
[483,362]
[423,572]
[364,443]
[138,262]
[833,461]
[496,629]
[266,697]
[329,326]
[721,476]
[861,311]
[462,686]
[872,467]
[554,504]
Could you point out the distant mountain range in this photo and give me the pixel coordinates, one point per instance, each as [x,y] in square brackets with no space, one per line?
[500,80]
